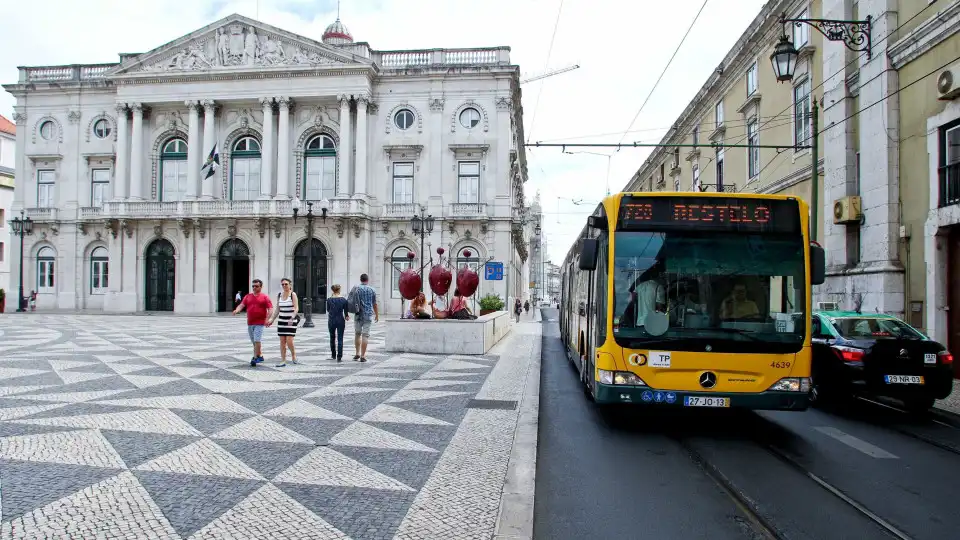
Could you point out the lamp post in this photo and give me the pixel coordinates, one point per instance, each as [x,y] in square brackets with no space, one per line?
[422,226]
[539,288]
[855,35]
[308,301]
[21,227]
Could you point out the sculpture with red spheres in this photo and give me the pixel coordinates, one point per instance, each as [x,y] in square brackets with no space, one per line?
[467,279]
[440,277]
[410,281]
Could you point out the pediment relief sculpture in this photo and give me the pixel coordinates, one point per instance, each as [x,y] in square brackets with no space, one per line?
[240,45]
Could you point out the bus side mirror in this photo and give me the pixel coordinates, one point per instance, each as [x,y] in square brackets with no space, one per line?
[818,265]
[589,249]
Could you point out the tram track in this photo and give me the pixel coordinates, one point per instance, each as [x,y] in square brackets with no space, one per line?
[764,526]
[913,434]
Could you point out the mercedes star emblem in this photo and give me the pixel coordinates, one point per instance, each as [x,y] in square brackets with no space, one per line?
[903,352]
[708,380]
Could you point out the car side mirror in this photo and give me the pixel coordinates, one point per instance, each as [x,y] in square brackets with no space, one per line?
[589,249]
[818,265]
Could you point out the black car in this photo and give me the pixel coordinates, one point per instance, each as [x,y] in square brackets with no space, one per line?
[880,355]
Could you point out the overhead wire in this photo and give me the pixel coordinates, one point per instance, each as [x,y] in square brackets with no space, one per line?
[553,37]
[665,68]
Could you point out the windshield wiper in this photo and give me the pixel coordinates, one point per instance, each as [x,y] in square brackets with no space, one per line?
[739,331]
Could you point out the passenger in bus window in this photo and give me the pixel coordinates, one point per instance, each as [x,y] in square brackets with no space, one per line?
[647,296]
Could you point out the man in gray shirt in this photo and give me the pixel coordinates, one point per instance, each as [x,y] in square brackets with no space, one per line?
[365,298]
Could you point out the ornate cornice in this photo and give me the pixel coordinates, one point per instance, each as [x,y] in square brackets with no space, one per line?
[925,36]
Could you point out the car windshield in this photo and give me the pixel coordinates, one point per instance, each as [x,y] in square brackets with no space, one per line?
[874,328]
[731,292]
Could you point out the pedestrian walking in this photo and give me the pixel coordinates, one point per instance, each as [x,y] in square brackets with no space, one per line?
[287,315]
[257,305]
[362,301]
[337,318]
[526,306]
[517,309]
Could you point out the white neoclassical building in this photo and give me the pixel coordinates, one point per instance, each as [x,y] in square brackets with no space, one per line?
[111,164]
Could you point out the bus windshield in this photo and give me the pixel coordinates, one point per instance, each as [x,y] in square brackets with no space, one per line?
[709,291]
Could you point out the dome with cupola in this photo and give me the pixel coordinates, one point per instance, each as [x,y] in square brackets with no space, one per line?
[337,34]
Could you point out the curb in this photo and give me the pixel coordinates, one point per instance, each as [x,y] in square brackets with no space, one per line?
[515,516]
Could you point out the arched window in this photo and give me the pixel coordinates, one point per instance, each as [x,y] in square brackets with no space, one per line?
[320,163]
[99,270]
[245,170]
[46,269]
[173,170]
[398,263]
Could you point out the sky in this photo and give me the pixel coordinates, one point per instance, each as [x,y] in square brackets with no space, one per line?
[621,46]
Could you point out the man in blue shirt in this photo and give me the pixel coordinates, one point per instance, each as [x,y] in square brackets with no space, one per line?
[368,312]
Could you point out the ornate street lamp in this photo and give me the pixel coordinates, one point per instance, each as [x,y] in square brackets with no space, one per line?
[21,227]
[422,226]
[784,59]
[854,34]
[308,301]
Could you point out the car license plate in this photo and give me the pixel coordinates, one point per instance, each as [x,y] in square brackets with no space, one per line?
[706,401]
[903,379]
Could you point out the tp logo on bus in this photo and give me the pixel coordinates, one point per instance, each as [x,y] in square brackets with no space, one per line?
[637,359]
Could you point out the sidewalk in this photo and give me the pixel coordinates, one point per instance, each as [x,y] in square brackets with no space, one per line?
[952,403]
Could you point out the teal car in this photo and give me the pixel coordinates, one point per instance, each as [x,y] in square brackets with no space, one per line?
[879,355]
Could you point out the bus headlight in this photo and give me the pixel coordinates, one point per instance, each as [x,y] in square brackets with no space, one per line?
[625,378]
[792,384]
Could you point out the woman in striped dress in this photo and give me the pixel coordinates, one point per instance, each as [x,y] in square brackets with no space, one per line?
[288,306]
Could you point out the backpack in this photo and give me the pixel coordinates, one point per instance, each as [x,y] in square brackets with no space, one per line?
[352,306]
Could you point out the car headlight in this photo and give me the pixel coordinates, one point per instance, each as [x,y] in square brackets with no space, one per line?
[792,384]
[625,378]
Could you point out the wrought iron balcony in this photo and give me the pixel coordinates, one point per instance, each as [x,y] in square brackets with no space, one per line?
[949,185]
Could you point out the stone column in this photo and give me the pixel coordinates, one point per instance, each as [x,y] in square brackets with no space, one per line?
[283,149]
[123,153]
[193,150]
[136,154]
[266,161]
[345,151]
[209,140]
[360,185]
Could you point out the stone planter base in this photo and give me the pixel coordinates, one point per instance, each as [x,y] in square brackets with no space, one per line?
[447,336]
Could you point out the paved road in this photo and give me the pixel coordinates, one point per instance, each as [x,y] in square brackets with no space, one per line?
[157,427]
[672,474]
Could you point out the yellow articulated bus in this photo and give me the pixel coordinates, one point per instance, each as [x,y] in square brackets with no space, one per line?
[693,300]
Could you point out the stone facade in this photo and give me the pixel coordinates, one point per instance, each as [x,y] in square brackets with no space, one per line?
[7,153]
[132,216]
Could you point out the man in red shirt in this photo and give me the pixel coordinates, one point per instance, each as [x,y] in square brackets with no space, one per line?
[257,305]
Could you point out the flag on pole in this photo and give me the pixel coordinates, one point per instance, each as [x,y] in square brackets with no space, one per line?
[212,164]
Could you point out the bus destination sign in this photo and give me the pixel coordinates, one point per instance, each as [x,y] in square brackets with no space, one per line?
[709,213]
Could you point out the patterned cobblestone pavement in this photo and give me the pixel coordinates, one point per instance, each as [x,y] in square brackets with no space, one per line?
[157,427]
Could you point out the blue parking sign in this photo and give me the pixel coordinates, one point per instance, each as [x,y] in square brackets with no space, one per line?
[493,271]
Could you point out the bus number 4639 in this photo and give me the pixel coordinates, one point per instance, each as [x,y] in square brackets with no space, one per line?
[781,365]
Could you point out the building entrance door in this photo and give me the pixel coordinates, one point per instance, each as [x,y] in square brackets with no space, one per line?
[300,255]
[953,296]
[161,276]
[233,273]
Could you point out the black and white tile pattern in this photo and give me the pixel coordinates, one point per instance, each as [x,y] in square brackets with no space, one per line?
[157,427]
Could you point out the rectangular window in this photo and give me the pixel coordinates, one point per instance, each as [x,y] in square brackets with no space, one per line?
[802,114]
[174,180]
[403,183]
[469,181]
[45,273]
[719,169]
[46,180]
[99,276]
[752,79]
[100,187]
[753,153]
[719,113]
[696,135]
[676,158]
[1,251]
[696,177]
[3,220]
[662,175]
[246,179]
[321,181]
[801,33]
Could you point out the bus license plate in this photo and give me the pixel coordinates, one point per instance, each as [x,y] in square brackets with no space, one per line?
[706,401]
[903,379]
